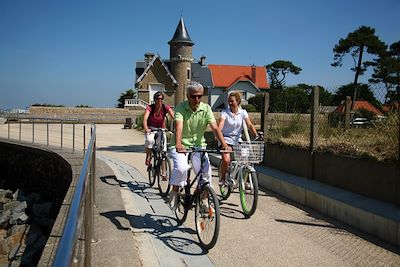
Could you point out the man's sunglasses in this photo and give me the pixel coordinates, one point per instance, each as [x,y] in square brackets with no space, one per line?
[196,96]
[160,98]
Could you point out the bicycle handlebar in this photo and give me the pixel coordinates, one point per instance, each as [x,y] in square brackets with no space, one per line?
[204,150]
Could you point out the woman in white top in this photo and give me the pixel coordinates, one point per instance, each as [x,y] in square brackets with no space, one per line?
[231,125]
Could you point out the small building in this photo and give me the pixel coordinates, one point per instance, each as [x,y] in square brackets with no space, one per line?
[360,104]
[170,76]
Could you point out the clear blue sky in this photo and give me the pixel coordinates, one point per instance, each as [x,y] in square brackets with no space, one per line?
[84,52]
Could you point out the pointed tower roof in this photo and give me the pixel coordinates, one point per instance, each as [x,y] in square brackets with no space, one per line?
[181,35]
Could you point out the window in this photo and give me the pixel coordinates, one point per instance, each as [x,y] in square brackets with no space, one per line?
[188,73]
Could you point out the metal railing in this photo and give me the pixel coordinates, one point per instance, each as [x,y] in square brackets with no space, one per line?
[63,134]
[135,102]
[81,211]
[46,131]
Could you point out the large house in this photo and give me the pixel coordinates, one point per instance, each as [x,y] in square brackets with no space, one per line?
[171,75]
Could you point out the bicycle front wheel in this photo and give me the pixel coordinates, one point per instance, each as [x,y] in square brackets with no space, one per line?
[163,176]
[248,188]
[207,217]
[182,207]
[151,171]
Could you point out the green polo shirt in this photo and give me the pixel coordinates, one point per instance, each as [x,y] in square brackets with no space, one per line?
[194,124]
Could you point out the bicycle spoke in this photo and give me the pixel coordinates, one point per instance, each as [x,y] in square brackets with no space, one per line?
[207,216]
[163,176]
[249,192]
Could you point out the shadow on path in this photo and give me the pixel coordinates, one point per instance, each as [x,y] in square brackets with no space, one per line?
[130,148]
[161,227]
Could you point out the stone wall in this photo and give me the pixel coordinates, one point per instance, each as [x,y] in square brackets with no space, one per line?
[367,177]
[95,115]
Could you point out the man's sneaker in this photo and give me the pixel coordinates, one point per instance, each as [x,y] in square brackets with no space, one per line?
[173,200]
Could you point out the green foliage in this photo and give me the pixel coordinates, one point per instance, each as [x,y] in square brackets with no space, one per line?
[249,108]
[387,71]
[256,101]
[364,92]
[277,71]
[325,97]
[294,99]
[139,121]
[129,94]
[356,43]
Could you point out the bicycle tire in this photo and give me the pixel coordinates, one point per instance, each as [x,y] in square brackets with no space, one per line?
[207,217]
[224,190]
[181,208]
[151,171]
[248,196]
[163,185]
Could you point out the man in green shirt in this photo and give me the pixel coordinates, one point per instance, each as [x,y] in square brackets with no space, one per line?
[191,120]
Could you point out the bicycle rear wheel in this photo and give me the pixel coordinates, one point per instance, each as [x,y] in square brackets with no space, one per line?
[151,171]
[181,208]
[224,189]
[207,217]
[163,184]
[248,188]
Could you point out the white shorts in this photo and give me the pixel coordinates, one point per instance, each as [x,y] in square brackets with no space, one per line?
[149,140]
[181,167]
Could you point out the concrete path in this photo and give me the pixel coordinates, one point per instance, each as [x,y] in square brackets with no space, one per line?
[281,232]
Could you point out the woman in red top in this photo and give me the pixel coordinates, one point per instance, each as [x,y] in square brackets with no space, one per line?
[154,116]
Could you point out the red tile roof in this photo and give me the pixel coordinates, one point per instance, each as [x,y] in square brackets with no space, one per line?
[360,104]
[227,75]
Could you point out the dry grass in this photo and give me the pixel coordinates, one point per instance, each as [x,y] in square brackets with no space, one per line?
[379,141]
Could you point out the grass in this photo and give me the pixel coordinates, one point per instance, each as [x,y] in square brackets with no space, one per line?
[379,141]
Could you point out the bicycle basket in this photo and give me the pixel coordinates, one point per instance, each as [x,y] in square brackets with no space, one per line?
[249,152]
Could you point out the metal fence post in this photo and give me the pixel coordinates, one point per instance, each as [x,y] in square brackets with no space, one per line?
[19,138]
[33,131]
[61,134]
[84,139]
[94,166]
[314,127]
[8,126]
[47,133]
[264,114]
[73,137]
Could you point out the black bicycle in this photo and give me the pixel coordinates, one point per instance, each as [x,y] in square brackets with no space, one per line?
[160,164]
[204,200]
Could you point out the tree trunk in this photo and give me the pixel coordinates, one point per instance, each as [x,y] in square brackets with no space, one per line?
[356,76]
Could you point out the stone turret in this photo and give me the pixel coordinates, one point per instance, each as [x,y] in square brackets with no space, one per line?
[181,59]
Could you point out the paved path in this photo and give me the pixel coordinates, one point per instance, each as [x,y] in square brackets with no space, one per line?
[280,233]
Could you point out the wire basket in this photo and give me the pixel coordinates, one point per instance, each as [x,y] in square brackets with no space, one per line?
[249,152]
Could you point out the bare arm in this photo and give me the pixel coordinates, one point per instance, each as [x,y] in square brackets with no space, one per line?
[217,133]
[251,126]
[178,136]
[221,124]
[145,118]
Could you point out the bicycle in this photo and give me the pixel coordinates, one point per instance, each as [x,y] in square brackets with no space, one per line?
[204,200]
[241,173]
[159,160]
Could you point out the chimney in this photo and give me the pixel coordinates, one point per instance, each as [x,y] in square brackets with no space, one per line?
[203,61]
[253,73]
[148,57]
